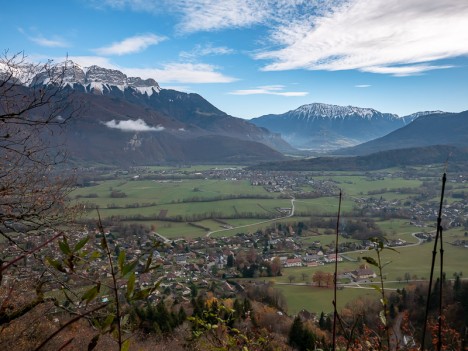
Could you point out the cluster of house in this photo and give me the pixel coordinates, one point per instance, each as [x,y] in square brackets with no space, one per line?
[310,260]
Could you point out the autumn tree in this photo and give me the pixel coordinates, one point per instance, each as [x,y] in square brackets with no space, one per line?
[321,278]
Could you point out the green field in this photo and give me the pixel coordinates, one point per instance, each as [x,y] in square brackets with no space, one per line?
[415,260]
[320,299]
[177,198]
[146,200]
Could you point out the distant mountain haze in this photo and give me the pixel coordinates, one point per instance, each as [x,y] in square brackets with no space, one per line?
[322,127]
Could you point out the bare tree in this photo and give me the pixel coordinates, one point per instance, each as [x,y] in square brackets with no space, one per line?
[34,106]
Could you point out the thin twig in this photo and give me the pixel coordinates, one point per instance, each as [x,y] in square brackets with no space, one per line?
[114,281]
[71,321]
[434,252]
[8,264]
[335,277]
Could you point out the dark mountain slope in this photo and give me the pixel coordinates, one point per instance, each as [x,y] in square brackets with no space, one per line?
[437,154]
[438,129]
[129,120]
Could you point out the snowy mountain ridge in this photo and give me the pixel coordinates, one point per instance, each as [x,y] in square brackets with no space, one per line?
[415,115]
[320,110]
[93,79]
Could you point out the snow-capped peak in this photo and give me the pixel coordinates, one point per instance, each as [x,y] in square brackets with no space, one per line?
[94,79]
[413,116]
[320,110]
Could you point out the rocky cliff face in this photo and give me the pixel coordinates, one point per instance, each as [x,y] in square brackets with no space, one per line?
[96,79]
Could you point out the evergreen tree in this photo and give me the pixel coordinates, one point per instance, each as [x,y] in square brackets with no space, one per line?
[296,333]
[230,261]
[322,321]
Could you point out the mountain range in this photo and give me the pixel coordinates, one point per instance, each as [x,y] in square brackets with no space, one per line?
[322,127]
[128,120]
[132,121]
[429,139]
[433,129]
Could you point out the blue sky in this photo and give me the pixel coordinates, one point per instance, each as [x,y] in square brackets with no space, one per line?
[255,57]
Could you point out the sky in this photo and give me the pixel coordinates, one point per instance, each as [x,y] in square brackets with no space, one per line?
[255,57]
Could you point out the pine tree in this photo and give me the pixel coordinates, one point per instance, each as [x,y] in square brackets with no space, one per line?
[322,321]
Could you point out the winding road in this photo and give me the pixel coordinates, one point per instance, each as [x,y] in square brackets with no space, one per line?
[261,222]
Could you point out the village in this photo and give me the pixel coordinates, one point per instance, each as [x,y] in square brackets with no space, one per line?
[185,265]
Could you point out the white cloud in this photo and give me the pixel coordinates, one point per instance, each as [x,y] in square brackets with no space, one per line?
[206,15]
[403,71]
[182,88]
[181,73]
[138,125]
[269,90]
[131,45]
[205,50]
[53,42]
[212,15]
[86,61]
[170,73]
[362,86]
[381,36]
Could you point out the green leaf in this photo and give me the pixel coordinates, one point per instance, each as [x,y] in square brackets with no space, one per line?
[95,254]
[124,320]
[376,287]
[141,294]
[90,294]
[56,264]
[130,285]
[64,247]
[371,261]
[79,245]
[107,322]
[148,264]
[128,268]
[121,260]
[126,345]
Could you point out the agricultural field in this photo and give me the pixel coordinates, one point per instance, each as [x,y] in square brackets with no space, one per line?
[415,260]
[225,203]
[242,206]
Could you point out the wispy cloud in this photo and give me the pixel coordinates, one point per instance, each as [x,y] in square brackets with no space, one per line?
[171,73]
[130,125]
[380,36]
[212,15]
[205,50]
[362,86]
[86,61]
[52,42]
[269,90]
[206,15]
[182,73]
[131,45]
[406,70]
